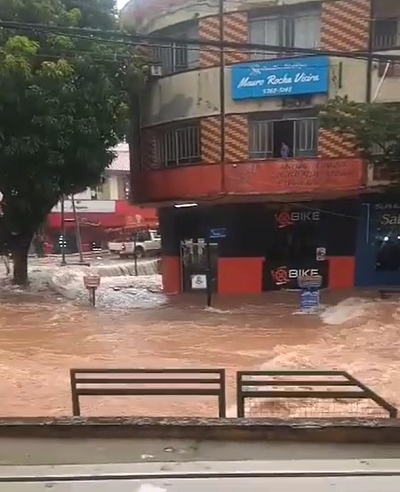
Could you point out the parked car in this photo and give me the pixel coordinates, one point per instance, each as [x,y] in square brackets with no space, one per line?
[144,243]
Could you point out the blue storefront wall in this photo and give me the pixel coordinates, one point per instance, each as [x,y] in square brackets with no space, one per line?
[288,77]
[379,227]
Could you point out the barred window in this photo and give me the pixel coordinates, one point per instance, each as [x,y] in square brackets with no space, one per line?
[261,139]
[305,137]
[268,137]
[176,57]
[178,146]
[386,33]
[296,30]
[377,149]
[390,69]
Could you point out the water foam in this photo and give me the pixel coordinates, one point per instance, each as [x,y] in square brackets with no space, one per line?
[119,287]
[347,310]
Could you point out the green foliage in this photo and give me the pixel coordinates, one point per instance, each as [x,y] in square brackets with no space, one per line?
[374,128]
[64,103]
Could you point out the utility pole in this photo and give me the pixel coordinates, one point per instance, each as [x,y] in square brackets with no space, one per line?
[222,89]
[63,262]
[77,230]
[370,61]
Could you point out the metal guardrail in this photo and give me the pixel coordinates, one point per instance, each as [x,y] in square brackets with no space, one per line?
[316,385]
[141,382]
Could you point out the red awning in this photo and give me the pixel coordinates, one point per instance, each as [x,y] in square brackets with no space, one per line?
[86,220]
[125,216]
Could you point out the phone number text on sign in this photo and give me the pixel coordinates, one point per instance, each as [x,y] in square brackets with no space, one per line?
[278,90]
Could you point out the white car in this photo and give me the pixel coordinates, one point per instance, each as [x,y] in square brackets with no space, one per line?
[115,246]
[143,244]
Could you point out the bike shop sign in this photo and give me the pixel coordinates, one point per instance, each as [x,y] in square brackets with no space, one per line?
[284,277]
[280,78]
[287,218]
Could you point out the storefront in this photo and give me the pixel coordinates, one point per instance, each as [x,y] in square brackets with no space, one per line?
[100,221]
[378,244]
[264,246]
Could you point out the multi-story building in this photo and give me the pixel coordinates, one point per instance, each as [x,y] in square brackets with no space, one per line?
[103,212]
[235,156]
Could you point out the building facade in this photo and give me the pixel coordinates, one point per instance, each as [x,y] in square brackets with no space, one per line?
[103,212]
[236,158]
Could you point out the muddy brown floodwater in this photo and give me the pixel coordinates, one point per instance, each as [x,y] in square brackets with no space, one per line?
[41,338]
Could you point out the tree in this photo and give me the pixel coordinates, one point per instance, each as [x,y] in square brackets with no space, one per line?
[374,128]
[63,105]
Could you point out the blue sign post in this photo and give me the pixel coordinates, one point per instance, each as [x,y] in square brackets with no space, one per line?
[309,296]
[280,78]
[309,300]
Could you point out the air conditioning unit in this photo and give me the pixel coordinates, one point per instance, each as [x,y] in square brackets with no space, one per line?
[156,70]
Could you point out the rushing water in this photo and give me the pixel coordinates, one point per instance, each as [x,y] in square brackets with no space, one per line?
[42,336]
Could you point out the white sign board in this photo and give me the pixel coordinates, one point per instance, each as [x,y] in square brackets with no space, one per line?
[199,282]
[87,206]
[91,281]
[321,254]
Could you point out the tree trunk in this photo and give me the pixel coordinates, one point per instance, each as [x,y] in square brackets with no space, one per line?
[20,261]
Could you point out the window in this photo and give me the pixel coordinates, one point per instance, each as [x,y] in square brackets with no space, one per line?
[96,192]
[389,69]
[298,30]
[177,57]
[377,150]
[178,146]
[141,237]
[268,138]
[127,188]
[386,33]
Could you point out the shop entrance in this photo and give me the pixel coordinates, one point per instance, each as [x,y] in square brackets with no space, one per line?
[295,248]
[195,261]
[378,248]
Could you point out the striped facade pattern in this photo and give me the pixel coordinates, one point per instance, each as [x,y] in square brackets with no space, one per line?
[209,29]
[210,139]
[345,25]
[236,138]
[332,146]
[235,31]
[148,149]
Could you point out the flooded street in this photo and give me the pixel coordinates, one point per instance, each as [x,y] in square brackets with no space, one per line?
[43,335]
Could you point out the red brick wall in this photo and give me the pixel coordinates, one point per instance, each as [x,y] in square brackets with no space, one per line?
[211,139]
[235,30]
[236,138]
[345,27]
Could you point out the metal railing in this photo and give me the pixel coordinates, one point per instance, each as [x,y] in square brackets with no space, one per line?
[149,382]
[259,394]
[272,392]
[178,146]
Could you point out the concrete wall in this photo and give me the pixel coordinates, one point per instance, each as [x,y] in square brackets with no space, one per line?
[389,90]
[154,15]
[377,431]
[195,94]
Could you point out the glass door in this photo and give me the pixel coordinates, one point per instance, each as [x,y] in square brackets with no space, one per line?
[195,263]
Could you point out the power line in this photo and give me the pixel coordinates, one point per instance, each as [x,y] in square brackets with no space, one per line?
[126,39]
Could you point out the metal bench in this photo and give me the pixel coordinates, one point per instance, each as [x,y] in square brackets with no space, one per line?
[150,382]
[333,387]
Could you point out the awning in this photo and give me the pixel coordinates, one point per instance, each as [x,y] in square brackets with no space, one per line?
[86,220]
